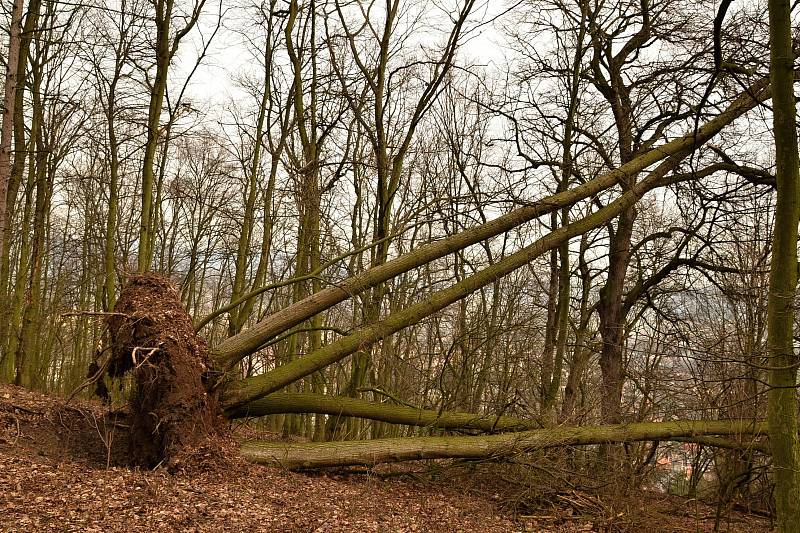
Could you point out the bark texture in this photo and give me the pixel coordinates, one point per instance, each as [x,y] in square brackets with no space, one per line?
[782,410]
[369,452]
[7,128]
[281,403]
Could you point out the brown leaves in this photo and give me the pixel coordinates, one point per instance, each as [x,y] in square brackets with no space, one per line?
[46,485]
[48,495]
[51,496]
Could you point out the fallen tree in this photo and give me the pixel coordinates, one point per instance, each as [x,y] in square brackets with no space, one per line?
[159,404]
[233,349]
[667,157]
[370,452]
[240,393]
[298,402]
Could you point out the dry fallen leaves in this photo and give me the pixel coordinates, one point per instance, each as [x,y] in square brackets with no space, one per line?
[44,488]
[50,481]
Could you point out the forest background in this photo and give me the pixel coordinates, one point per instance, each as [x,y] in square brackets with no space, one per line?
[597,180]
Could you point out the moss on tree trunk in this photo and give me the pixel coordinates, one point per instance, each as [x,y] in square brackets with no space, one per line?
[368,452]
[281,403]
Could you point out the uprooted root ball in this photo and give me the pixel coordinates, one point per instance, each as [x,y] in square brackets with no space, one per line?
[153,339]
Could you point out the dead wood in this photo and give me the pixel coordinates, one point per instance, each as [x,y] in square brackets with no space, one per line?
[376,451]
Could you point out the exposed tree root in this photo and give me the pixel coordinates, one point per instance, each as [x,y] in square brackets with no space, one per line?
[153,339]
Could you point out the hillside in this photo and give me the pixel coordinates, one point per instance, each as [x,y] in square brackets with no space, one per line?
[57,474]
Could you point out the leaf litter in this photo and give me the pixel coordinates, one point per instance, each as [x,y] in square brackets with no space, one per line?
[57,474]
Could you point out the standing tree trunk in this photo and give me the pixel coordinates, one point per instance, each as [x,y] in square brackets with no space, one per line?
[165,47]
[561,318]
[27,353]
[782,410]
[163,21]
[6,131]
[612,319]
[8,109]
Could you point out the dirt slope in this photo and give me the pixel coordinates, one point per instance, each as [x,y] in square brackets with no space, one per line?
[55,476]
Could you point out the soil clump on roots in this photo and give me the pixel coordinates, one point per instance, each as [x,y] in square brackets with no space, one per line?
[152,339]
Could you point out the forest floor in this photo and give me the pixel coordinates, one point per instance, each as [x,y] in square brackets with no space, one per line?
[56,474]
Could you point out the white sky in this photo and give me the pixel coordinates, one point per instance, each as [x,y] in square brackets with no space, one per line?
[213,82]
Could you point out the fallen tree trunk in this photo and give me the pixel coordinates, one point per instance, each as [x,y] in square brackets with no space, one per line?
[283,403]
[370,452]
[670,155]
[233,349]
[241,392]
[728,444]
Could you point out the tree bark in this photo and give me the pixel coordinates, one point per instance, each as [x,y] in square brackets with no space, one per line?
[163,21]
[7,130]
[369,452]
[612,319]
[6,134]
[782,398]
[281,403]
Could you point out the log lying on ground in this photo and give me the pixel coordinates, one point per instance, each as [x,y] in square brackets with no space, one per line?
[370,452]
[282,403]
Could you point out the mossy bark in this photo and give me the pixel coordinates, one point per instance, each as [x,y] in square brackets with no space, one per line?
[280,403]
[369,452]
[782,410]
